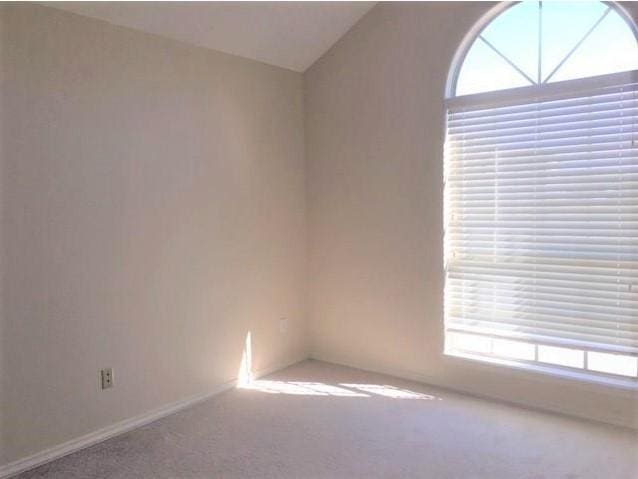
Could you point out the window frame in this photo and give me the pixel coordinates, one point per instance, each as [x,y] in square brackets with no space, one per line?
[531,92]
[482,23]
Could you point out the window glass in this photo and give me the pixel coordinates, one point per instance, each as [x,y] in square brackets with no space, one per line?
[515,34]
[564,25]
[613,364]
[483,70]
[543,42]
[610,48]
[572,358]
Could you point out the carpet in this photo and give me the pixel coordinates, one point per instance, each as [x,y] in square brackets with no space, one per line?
[318,420]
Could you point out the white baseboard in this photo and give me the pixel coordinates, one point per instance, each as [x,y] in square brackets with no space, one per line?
[56,452]
[376,367]
[424,379]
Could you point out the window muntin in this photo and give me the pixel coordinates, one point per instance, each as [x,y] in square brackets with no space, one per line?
[533,43]
[541,194]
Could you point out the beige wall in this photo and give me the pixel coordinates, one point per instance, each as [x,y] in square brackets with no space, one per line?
[3,428]
[153,212]
[374,136]
[153,204]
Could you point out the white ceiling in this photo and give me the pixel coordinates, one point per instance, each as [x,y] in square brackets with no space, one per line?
[291,35]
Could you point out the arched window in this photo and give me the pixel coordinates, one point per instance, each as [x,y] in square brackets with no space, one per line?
[535,43]
[541,192]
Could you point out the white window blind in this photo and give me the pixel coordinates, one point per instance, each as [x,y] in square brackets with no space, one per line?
[541,223]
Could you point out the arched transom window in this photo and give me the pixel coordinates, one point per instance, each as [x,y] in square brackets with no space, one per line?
[535,43]
[541,192]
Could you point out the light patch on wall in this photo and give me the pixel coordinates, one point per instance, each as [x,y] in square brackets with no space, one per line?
[245,374]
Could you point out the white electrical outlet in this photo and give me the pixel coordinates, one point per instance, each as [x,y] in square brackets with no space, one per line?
[283,325]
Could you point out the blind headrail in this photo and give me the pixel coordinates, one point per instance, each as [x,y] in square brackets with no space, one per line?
[546,91]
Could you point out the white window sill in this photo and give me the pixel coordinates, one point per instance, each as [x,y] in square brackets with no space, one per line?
[556,372]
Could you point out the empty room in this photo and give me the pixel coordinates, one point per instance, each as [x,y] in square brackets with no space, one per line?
[319,240]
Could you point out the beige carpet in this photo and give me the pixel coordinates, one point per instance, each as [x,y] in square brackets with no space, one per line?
[316,420]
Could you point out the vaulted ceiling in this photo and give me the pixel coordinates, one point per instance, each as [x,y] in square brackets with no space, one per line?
[291,35]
